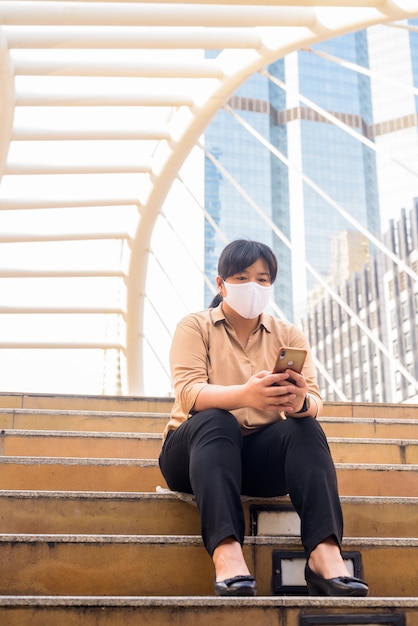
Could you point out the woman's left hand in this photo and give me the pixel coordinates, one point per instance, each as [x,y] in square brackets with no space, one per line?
[290,393]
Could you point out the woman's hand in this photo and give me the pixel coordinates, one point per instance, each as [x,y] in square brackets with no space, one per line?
[285,392]
[281,393]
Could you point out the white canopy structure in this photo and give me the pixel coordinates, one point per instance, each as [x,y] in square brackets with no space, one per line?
[125,85]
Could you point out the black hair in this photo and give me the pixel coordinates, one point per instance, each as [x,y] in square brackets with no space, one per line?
[238,255]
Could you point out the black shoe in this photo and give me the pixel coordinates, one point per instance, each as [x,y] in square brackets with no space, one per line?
[236,586]
[340,586]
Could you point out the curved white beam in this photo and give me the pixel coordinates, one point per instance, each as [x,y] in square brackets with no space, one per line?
[201,69]
[135,37]
[24,98]
[327,25]
[147,14]
[14,169]
[7,101]
[250,35]
[47,134]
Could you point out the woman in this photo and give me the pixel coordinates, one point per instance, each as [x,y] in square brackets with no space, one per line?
[237,428]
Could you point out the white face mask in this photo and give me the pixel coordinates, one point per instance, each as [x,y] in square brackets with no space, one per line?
[247,299]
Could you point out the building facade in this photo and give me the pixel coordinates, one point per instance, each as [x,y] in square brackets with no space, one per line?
[330,194]
[384,297]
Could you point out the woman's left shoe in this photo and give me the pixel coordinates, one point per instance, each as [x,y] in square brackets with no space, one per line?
[236,586]
[340,586]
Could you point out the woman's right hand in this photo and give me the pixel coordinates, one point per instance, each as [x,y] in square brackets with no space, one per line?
[269,392]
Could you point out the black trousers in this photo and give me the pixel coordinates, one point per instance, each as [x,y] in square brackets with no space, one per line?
[209,457]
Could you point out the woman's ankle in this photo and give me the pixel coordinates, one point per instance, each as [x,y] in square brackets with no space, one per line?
[228,559]
[326,560]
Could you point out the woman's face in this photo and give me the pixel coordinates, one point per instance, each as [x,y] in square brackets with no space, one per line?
[257,272]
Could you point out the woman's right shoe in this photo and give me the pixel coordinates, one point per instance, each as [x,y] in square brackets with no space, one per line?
[236,586]
[340,586]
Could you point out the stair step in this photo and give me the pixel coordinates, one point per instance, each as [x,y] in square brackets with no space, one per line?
[154,422]
[87,474]
[189,611]
[370,428]
[390,451]
[374,410]
[80,444]
[177,565]
[85,402]
[86,529]
[166,514]
[98,421]
[79,474]
[148,445]
[122,403]
[377,479]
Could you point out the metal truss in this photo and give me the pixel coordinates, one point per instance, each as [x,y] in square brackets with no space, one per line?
[132,78]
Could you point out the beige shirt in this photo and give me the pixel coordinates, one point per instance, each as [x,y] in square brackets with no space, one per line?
[205,350]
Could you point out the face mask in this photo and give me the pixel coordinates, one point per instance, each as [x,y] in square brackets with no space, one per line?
[247,299]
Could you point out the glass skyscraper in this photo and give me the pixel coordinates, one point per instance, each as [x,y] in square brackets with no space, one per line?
[344,168]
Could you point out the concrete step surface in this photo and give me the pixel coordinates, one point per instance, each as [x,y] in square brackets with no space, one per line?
[168,513]
[139,445]
[80,444]
[370,410]
[89,474]
[85,402]
[380,428]
[97,421]
[149,565]
[67,402]
[90,534]
[79,474]
[373,450]
[154,422]
[204,611]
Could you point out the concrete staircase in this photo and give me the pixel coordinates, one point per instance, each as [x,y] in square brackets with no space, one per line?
[89,533]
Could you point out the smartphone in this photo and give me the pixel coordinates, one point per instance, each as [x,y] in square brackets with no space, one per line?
[289,358]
